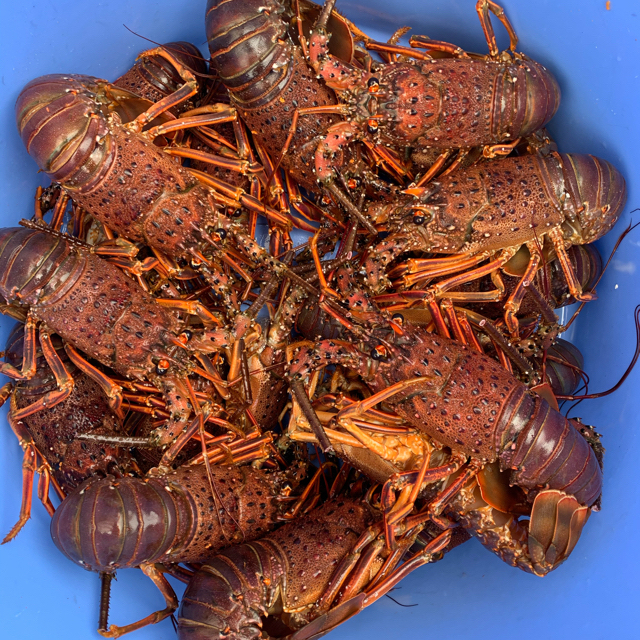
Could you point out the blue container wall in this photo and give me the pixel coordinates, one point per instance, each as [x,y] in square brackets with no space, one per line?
[595,55]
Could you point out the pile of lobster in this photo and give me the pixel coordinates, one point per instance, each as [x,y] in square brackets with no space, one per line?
[293,428]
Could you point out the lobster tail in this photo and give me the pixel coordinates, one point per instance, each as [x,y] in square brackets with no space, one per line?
[245,569]
[54,118]
[548,450]
[108,524]
[538,98]
[236,31]
[28,260]
[563,371]
[598,194]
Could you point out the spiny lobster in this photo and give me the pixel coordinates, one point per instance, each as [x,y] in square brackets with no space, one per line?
[463,400]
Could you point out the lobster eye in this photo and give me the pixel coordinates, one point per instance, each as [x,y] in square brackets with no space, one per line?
[220,233]
[379,353]
[162,367]
[398,318]
[373,84]
[354,183]
[418,220]
[372,126]
[185,336]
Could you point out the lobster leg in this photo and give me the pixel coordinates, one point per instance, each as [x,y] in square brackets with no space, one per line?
[28,369]
[192,307]
[498,339]
[441,288]
[351,209]
[575,288]
[236,197]
[112,390]
[302,499]
[242,167]
[483,7]
[306,209]
[29,467]
[449,312]
[170,597]
[33,462]
[432,267]
[64,380]
[415,480]
[434,169]
[444,497]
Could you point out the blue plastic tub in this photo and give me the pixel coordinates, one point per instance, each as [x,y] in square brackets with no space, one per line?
[595,54]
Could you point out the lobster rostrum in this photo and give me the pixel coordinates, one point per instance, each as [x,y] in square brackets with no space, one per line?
[491,210]
[442,103]
[50,438]
[109,524]
[468,402]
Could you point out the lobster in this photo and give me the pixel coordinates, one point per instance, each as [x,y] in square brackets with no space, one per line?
[50,437]
[499,206]
[267,78]
[71,126]
[310,575]
[466,401]
[94,307]
[394,454]
[453,103]
[109,524]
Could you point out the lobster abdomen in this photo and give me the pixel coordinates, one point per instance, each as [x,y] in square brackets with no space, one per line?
[84,299]
[543,448]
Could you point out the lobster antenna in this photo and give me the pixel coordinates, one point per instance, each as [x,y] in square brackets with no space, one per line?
[40,225]
[105,597]
[636,354]
[173,51]
[623,235]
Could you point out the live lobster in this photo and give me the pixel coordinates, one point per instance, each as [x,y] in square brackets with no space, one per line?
[466,401]
[109,524]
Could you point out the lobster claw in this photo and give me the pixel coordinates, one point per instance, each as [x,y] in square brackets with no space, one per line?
[556,523]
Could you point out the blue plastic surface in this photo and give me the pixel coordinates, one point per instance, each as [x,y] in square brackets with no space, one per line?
[595,55]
